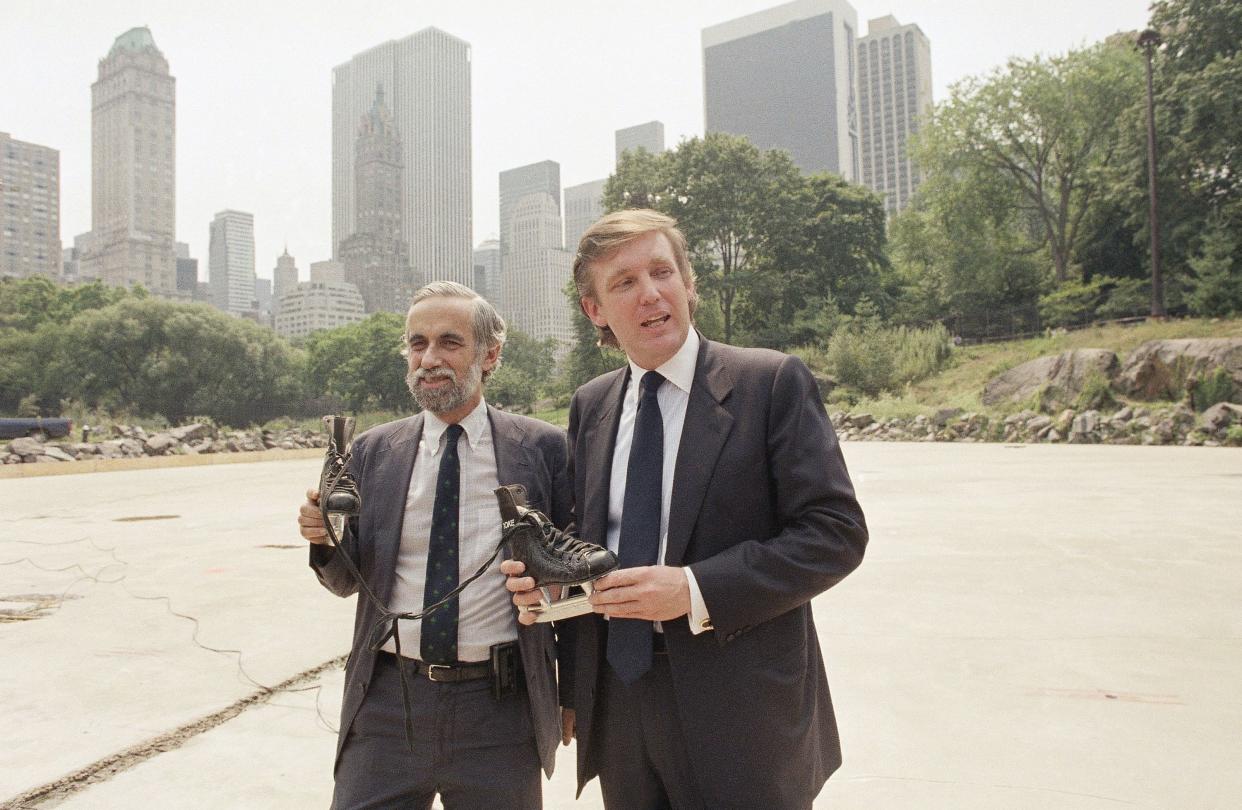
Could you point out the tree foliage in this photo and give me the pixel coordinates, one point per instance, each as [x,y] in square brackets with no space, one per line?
[771,249]
[1045,129]
[361,364]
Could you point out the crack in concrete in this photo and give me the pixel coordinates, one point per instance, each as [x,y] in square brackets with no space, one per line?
[54,793]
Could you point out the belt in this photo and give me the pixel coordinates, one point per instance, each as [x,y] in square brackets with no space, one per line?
[446,673]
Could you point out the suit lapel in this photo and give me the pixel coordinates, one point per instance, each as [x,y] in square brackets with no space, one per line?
[703,436]
[601,437]
[393,464]
[508,437]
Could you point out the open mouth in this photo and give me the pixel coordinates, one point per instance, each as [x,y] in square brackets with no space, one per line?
[652,323]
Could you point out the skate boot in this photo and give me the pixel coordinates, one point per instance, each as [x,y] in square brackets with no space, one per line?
[339,499]
[551,556]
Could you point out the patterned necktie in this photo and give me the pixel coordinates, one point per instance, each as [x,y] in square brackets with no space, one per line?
[438,641]
[630,640]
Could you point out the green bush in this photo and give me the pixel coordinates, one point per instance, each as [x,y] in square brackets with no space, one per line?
[1128,297]
[1072,303]
[1233,436]
[872,359]
[1096,395]
[1211,389]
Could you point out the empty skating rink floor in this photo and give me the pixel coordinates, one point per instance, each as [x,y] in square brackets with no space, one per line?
[1033,627]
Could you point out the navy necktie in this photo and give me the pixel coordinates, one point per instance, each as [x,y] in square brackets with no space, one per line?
[438,640]
[630,640]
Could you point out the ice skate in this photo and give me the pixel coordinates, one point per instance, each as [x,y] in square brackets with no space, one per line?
[339,499]
[552,557]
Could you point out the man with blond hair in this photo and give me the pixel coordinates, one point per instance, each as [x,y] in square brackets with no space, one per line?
[715,475]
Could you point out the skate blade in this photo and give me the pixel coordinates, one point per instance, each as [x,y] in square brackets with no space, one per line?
[565,608]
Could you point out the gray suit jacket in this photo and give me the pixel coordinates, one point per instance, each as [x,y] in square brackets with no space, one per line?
[764,513]
[528,452]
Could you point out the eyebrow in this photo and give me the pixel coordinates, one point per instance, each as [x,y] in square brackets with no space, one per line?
[442,336]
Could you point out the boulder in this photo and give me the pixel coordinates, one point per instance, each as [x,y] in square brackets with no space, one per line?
[160,444]
[943,416]
[1060,378]
[26,446]
[56,453]
[1159,369]
[1220,416]
[190,433]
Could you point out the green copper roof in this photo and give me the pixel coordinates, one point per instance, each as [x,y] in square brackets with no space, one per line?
[135,39]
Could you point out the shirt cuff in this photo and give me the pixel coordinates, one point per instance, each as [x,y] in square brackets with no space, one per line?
[700,621]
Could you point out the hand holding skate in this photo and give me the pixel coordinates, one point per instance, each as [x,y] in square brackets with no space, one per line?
[550,557]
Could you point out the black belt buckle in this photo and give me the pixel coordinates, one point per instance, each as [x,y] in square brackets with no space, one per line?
[506,668]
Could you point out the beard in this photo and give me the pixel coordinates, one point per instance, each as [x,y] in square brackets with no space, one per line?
[447,398]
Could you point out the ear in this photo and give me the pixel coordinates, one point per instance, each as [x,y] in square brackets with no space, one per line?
[491,357]
[592,309]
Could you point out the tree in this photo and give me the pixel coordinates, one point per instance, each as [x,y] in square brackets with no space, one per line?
[176,360]
[27,303]
[1046,128]
[361,363]
[768,245]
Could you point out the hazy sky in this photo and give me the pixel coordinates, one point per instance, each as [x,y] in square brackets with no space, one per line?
[551,80]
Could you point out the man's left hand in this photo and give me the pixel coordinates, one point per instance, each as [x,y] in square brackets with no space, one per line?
[657,593]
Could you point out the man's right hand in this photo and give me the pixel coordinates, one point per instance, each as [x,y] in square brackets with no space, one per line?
[523,589]
[310,520]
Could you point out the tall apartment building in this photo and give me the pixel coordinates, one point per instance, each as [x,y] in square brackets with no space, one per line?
[535,272]
[375,256]
[487,271]
[542,178]
[29,209]
[426,77]
[649,136]
[230,262]
[187,272]
[133,168]
[315,305]
[584,203]
[894,92]
[785,78]
[284,278]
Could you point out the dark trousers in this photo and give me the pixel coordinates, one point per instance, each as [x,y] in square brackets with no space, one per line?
[643,760]
[476,752]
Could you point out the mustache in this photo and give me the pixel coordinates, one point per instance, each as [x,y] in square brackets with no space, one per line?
[434,374]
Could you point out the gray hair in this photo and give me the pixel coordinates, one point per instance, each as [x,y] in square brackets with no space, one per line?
[488,326]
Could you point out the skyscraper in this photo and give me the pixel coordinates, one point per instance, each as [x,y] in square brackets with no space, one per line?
[535,272]
[375,256]
[649,136]
[29,209]
[284,278]
[543,178]
[785,78]
[894,92]
[426,79]
[133,168]
[487,271]
[230,262]
[584,203]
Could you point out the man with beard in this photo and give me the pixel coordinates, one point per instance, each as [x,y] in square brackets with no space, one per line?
[429,519]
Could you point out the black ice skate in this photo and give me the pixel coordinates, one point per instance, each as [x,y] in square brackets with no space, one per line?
[551,556]
[339,499]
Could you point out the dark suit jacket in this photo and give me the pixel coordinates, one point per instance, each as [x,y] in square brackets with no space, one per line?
[764,514]
[528,452]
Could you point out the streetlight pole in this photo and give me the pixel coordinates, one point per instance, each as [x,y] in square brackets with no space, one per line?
[1149,40]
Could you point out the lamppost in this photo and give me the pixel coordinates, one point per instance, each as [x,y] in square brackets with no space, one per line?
[1149,40]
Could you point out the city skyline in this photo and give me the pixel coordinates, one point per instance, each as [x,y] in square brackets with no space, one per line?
[254,131]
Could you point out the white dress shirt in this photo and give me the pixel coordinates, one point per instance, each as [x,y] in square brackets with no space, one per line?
[485,614]
[673,396]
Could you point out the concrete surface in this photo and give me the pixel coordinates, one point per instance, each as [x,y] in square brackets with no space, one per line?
[1034,627]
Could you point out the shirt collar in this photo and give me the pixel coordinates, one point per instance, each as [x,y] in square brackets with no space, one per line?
[678,369]
[474,424]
